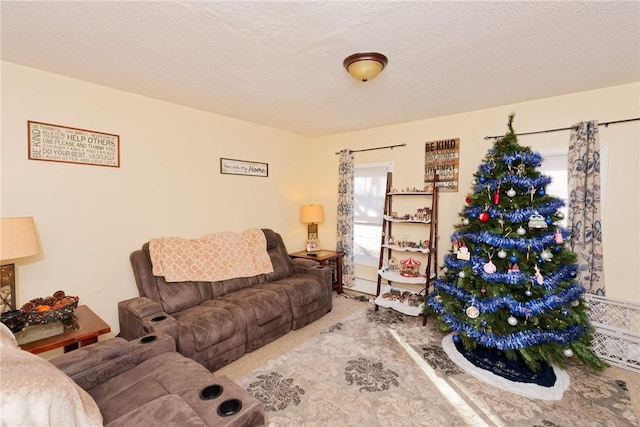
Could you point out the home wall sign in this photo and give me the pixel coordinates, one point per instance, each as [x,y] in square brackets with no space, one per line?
[243,167]
[442,156]
[65,144]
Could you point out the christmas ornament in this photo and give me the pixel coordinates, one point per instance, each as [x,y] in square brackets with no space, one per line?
[513,268]
[557,249]
[541,192]
[512,321]
[521,231]
[465,221]
[472,312]
[462,275]
[484,215]
[482,179]
[456,339]
[511,192]
[496,196]
[468,200]
[575,303]
[513,259]
[532,192]
[490,267]
[548,220]
[557,236]
[502,254]
[537,221]
[567,352]
[538,275]
[546,255]
[463,253]
[560,215]
[528,292]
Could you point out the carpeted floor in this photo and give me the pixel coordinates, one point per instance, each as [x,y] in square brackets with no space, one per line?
[385,369]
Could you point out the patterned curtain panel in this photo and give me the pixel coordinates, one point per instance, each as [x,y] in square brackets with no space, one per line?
[584,205]
[345,215]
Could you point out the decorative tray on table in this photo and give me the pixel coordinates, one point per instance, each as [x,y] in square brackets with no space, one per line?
[40,311]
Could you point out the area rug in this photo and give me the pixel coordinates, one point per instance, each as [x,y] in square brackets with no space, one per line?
[385,369]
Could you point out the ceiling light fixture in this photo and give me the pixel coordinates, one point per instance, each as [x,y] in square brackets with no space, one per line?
[365,66]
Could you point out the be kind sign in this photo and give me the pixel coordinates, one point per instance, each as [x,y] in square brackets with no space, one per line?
[70,145]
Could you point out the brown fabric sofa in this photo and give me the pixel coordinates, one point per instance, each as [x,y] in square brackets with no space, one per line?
[215,323]
[119,383]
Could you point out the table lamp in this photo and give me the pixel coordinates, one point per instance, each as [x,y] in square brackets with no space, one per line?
[18,239]
[312,215]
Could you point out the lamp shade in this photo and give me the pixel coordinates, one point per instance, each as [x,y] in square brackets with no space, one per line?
[310,214]
[18,238]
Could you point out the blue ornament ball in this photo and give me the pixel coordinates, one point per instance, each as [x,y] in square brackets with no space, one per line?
[573,275]
[478,249]
[539,260]
[548,221]
[513,259]
[456,339]
[482,179]
[558,248]
[541,192]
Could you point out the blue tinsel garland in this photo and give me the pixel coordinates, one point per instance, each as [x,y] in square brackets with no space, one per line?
[513,341]
[517,308]
[514,215]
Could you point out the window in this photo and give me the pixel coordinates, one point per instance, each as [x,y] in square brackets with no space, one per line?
[370,183]
[555,163]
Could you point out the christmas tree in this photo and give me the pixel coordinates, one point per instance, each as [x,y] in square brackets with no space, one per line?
[509,282]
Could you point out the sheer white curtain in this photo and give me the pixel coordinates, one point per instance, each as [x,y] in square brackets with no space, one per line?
[345,215]
[584,211]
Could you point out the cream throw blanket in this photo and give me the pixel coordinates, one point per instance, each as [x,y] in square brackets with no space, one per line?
[218,256]
[36,393]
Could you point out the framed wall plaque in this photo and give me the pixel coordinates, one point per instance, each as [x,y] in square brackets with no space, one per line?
[243,167]
[64,144]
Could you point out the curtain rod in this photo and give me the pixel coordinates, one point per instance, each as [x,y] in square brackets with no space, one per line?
[605,124]
[377,148]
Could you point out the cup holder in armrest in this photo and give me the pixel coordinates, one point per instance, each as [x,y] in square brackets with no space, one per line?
[211,392]
[229,407]
[159,318]
[319,267]
[148,339]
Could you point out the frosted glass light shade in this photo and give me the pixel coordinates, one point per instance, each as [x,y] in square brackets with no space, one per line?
[365,66]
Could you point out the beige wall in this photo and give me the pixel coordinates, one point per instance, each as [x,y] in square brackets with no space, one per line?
[90,218]
[621,231]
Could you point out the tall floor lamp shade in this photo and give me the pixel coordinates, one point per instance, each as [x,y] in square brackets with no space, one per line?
[18,239]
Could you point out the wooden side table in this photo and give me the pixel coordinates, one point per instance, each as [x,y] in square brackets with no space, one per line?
[323,257]
[85,329]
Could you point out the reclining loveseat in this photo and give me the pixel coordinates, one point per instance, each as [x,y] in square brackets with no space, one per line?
[118,383]
[217,321]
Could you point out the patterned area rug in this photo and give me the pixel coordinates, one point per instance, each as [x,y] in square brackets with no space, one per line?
[385,369]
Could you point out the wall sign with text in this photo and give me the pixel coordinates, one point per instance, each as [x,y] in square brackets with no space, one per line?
[444,157]
[243,167]
[64,144]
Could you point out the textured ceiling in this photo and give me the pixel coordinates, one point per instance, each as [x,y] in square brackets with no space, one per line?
[279,63]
